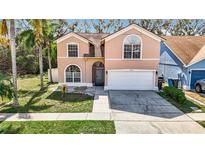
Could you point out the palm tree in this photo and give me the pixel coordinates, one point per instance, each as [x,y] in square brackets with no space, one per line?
[4,33]
[48,38]
[38,36]
[37,27]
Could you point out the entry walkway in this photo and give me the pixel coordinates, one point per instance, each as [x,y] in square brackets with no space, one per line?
[101,101]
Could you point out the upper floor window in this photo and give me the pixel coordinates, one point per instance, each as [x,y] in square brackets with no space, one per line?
[132,47]
[73,50]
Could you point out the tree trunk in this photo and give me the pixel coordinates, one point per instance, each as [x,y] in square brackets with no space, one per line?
[49,63]
[41,65]
[13,58]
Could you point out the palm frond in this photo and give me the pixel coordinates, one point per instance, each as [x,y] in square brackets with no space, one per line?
[4,41]
[38,30]
[3,28]
[27,38]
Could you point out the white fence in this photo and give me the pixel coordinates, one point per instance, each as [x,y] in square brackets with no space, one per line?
[54,74]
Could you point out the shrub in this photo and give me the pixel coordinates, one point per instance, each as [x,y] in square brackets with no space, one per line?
[176,94]
[5,87]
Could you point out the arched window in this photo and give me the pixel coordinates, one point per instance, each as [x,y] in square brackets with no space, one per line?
[73,74]
[132,47]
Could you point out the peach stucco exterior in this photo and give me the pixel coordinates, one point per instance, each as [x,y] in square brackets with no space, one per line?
[113,57]
[114,53]
[85,65]
[62,46]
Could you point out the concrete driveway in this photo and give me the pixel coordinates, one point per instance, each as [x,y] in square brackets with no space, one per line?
[147,112]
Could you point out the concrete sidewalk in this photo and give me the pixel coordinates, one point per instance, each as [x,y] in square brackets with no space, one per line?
[159,127]
[53,116]
[197,116]
[125,116]
[125,123]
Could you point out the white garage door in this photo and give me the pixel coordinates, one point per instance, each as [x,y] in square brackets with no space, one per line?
[130,80]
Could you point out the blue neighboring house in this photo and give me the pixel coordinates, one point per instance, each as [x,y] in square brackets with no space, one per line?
[183,58]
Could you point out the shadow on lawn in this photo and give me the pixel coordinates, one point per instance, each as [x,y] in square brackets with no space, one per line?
[69,97]
[27,93]
[35,98]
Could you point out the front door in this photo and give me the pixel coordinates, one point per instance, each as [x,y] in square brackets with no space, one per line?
[99,79]
[98,74]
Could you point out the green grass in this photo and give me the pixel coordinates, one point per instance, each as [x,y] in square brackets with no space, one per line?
[202,123]
[185,107]
[57,127]
[32,99]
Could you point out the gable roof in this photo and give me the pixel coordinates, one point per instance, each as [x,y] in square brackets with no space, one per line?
[82,38]
[138,28]
[98,37]
[189,49]
[95,38]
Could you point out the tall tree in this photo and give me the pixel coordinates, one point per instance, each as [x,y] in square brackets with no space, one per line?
[61,27]
[13,59]
[188,27]
[38,31]
[51,30]
[4,33]
[48,36]
[152,25]
[73,26]
[118,25]
[103,25]
[132,21]
[85,27]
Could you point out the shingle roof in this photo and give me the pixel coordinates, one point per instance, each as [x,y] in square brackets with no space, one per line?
[189,49]
[96,39]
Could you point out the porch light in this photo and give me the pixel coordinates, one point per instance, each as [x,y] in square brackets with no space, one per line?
[156,72]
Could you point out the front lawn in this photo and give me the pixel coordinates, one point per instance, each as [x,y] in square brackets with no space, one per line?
[32,99]
[185,107]
[57,127]
[202,123]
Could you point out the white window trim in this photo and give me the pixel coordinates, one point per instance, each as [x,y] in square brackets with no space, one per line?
[73,80]
[141,47]
[73,43]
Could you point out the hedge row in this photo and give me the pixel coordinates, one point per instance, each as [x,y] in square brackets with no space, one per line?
[176,94]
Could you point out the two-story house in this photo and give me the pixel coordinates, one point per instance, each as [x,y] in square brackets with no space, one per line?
[125,60]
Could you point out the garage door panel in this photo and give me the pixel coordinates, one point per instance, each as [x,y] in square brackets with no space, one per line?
[130,80]
[196,75]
